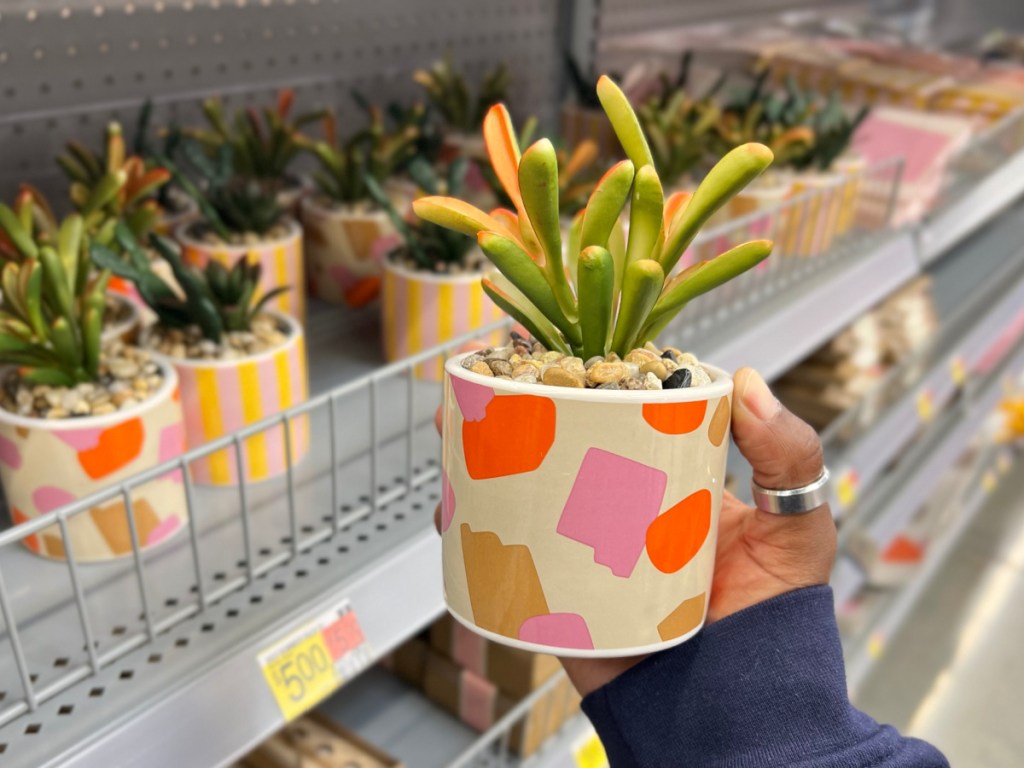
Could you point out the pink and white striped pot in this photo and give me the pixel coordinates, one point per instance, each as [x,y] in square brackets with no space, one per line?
[223,396]
[281,260]
[424,309]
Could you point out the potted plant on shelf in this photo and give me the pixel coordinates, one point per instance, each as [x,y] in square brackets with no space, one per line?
[581,117]
[431,290]
[583,470]
[341,220]
[241,217]
[264,144]
[238,360]
[77,416]
[176,208]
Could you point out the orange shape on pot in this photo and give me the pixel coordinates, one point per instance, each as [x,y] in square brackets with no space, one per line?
[18,517]
[363,292]
[112,523]
[677,534]
[675,418]
[720,422]
[686,617]
[504,588]
[117,447]
[513,438]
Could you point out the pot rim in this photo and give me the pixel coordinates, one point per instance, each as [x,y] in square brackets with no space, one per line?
[433,277]
[720,386]
[294,329]
[114,330]
[311,205]
[166,389]
[182,235]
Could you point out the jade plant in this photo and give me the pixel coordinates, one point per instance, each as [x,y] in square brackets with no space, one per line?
[430,247]
[229,204]
[833,131]
[51,316]
[217,300]
[622,292]
[263,143]
[374,151]
[113,185]
[448,92]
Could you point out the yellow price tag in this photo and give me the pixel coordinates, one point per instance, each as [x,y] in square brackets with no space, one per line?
[958,370]
[301,675]
[989,481]
[589,752]
[925,405]
[308,665]
[846,488]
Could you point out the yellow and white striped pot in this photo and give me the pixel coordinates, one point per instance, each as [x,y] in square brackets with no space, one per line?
[343,267]
[46,464]
[281,260]
[816,219]
[851,167]
[423,309]
[223,396]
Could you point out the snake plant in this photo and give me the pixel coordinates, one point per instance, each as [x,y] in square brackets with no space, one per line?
[609,293]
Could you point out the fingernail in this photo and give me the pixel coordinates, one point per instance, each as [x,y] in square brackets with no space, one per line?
[757,398]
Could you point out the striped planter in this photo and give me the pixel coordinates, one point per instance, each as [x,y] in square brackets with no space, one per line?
[281,261]
[47,464]
[816,218]
[423,309]
[221,397]
[341,264]
[851,168]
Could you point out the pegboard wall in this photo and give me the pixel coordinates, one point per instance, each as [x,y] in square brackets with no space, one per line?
[67,67]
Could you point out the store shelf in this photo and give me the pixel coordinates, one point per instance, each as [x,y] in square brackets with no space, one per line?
[894,611]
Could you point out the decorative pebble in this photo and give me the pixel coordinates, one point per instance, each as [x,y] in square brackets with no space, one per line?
[551,357]
[602,373]
[641,356]
[656,367]
[678,380]
[482,368]
[556,376]
[188,343]
[500,368]
[700,377]
[526,378]
[651,381]
[573,364]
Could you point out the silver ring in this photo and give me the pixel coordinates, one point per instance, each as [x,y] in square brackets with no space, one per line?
[795,501]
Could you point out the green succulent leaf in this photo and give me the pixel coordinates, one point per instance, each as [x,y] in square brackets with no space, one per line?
[641,285]
[596,276]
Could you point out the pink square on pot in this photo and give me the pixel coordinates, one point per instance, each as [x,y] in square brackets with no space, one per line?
[612,503]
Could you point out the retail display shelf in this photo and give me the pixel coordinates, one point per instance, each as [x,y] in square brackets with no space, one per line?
[893,612]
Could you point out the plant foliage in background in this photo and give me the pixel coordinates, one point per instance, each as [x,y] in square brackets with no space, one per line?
[833,131]
[263,142]
[450,95]
[374,151]
[112,186]
[609,293]
[51,317]
[431,248]
[217,300]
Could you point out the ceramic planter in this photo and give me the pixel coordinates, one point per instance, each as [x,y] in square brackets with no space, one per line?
[223,396]
[424,309]
[578,124]
[341,264]
[816,219]
[851,168]
[291,194]
[581,522]
[127,298]
[281,261]
[46,464]
[169,221]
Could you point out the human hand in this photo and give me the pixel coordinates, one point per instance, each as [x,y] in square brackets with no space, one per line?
[759,555]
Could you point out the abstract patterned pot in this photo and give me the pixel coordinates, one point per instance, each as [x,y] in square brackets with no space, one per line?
[223,396]
[46,464]
[127,328]
[581,522]
[281,261]
[424,309]
[342,265]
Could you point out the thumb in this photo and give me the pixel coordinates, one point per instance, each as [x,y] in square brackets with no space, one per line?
[784,451]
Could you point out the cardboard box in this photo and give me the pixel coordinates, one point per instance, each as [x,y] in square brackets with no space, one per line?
[514,671]
[547,715]
[314,741]
[409,661]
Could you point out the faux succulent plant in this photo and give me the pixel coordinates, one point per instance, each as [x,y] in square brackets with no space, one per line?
[112,186]
[216,299]
[51,316]
[608,293]
[229,203]
[833,132]
[450,95]
[263,143]
[431,247]
[374,152]
[680,132]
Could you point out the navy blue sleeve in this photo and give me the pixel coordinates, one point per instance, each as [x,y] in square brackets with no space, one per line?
[763,687]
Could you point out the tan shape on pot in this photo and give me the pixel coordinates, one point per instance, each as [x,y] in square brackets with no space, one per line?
[112,522]
[22,432]
[720,422]
[362,235]
[53,546]
[683,619]
[504,588]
